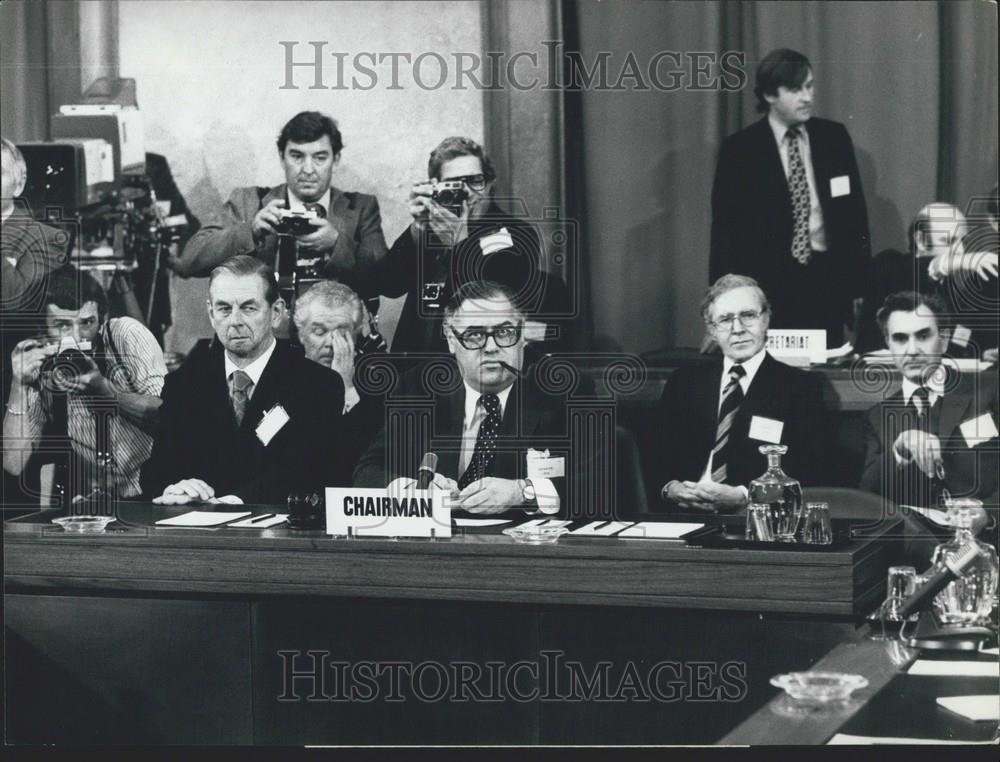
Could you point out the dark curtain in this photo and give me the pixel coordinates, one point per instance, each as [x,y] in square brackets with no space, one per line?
[915,83]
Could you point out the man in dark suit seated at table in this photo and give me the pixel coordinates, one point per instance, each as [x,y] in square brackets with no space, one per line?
[715,417]
[787,204]
[502,439]
[329,320]
[249,419]
[939,432]
[347,238]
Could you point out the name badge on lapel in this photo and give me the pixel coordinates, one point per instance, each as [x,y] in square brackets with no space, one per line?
[766,429]
[979,430]
[840,186]
[542,466]
[272,422]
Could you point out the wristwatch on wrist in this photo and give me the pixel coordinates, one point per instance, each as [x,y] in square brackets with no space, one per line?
[528,492]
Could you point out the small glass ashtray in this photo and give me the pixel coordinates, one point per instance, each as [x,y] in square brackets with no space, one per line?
[819,687]
[536,535]
[84,524]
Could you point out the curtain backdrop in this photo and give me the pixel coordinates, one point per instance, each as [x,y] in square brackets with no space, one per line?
[915,83]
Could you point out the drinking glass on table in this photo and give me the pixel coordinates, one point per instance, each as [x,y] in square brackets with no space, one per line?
[816,527]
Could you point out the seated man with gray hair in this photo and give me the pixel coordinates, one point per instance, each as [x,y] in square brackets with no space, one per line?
[330,321]
[714,417]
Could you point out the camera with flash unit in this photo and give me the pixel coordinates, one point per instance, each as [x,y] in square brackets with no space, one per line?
[72,359]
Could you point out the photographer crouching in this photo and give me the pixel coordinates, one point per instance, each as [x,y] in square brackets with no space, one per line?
[90,383]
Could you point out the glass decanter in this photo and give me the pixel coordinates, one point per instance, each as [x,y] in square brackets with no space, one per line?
[968,600]
[780,492]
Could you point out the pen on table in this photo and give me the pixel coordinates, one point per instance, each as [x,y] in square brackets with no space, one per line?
[265,516]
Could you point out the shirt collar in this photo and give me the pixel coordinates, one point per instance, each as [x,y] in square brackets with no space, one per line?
[294,202]
[780,130]
[935,387]
[254,369]
[472,400]
[751,367]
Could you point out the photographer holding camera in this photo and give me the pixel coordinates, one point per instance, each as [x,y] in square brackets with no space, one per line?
[86,370]
[340,230]
[460,235]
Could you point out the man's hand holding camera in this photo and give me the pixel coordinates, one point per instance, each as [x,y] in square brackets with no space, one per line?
[322,239]
[267,220]
[451,228]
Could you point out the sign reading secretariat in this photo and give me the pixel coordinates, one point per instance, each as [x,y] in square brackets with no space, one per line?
[376,513]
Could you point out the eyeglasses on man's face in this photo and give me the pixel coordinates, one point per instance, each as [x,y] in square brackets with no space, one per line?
[475,182]
[505,335]
[746,317]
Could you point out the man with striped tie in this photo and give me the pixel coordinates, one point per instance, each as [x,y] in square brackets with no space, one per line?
[714,417]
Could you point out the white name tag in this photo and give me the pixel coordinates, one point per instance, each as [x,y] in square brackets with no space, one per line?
[979,430]
[272,422]
[496,241]
[960,336]
[840,186]
[542,466]
[766,429]
[375,513]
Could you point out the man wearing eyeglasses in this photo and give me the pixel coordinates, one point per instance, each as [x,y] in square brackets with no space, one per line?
[715,417]
[500,439]
[456,238]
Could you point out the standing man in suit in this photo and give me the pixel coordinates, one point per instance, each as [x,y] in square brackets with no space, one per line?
[346,238]
[502,440]
[250,419]
[787,204]
[940,430]
[715,417]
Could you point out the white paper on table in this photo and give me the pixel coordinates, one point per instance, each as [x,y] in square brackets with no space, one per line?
[549,523]
[202,519]
[531,524]
[608,529]
[995,651]
[956,668]
[975,708]
[841,351]
[481,522]
[658,530]
[843,739]
[278,518]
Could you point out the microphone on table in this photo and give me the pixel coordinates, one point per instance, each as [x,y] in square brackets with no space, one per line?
[425,472]
[953,568]
[516,371]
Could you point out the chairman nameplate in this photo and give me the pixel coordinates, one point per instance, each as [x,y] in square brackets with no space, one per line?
[376,513]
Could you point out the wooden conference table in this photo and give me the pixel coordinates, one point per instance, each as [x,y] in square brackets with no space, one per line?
[155,635]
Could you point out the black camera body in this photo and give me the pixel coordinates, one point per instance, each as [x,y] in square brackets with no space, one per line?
[295,222]
[72,360]
[450,194]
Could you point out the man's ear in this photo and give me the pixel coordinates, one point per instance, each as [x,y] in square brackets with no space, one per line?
[449,337]
[336,159]
[21,181]
[208,307]
[278,310]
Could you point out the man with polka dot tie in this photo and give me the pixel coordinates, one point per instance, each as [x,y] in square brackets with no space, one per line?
[787,204]
[501,440]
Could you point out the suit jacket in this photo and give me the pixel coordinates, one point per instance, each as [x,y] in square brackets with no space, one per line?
[689,418]
[969,471]
[752,226]
[410,264]
[432,422]
[360,247]
[199,438]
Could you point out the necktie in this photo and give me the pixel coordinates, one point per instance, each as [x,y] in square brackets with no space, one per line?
[486,442]
[239,391]
[732,397]
[921,401]
[798,186]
